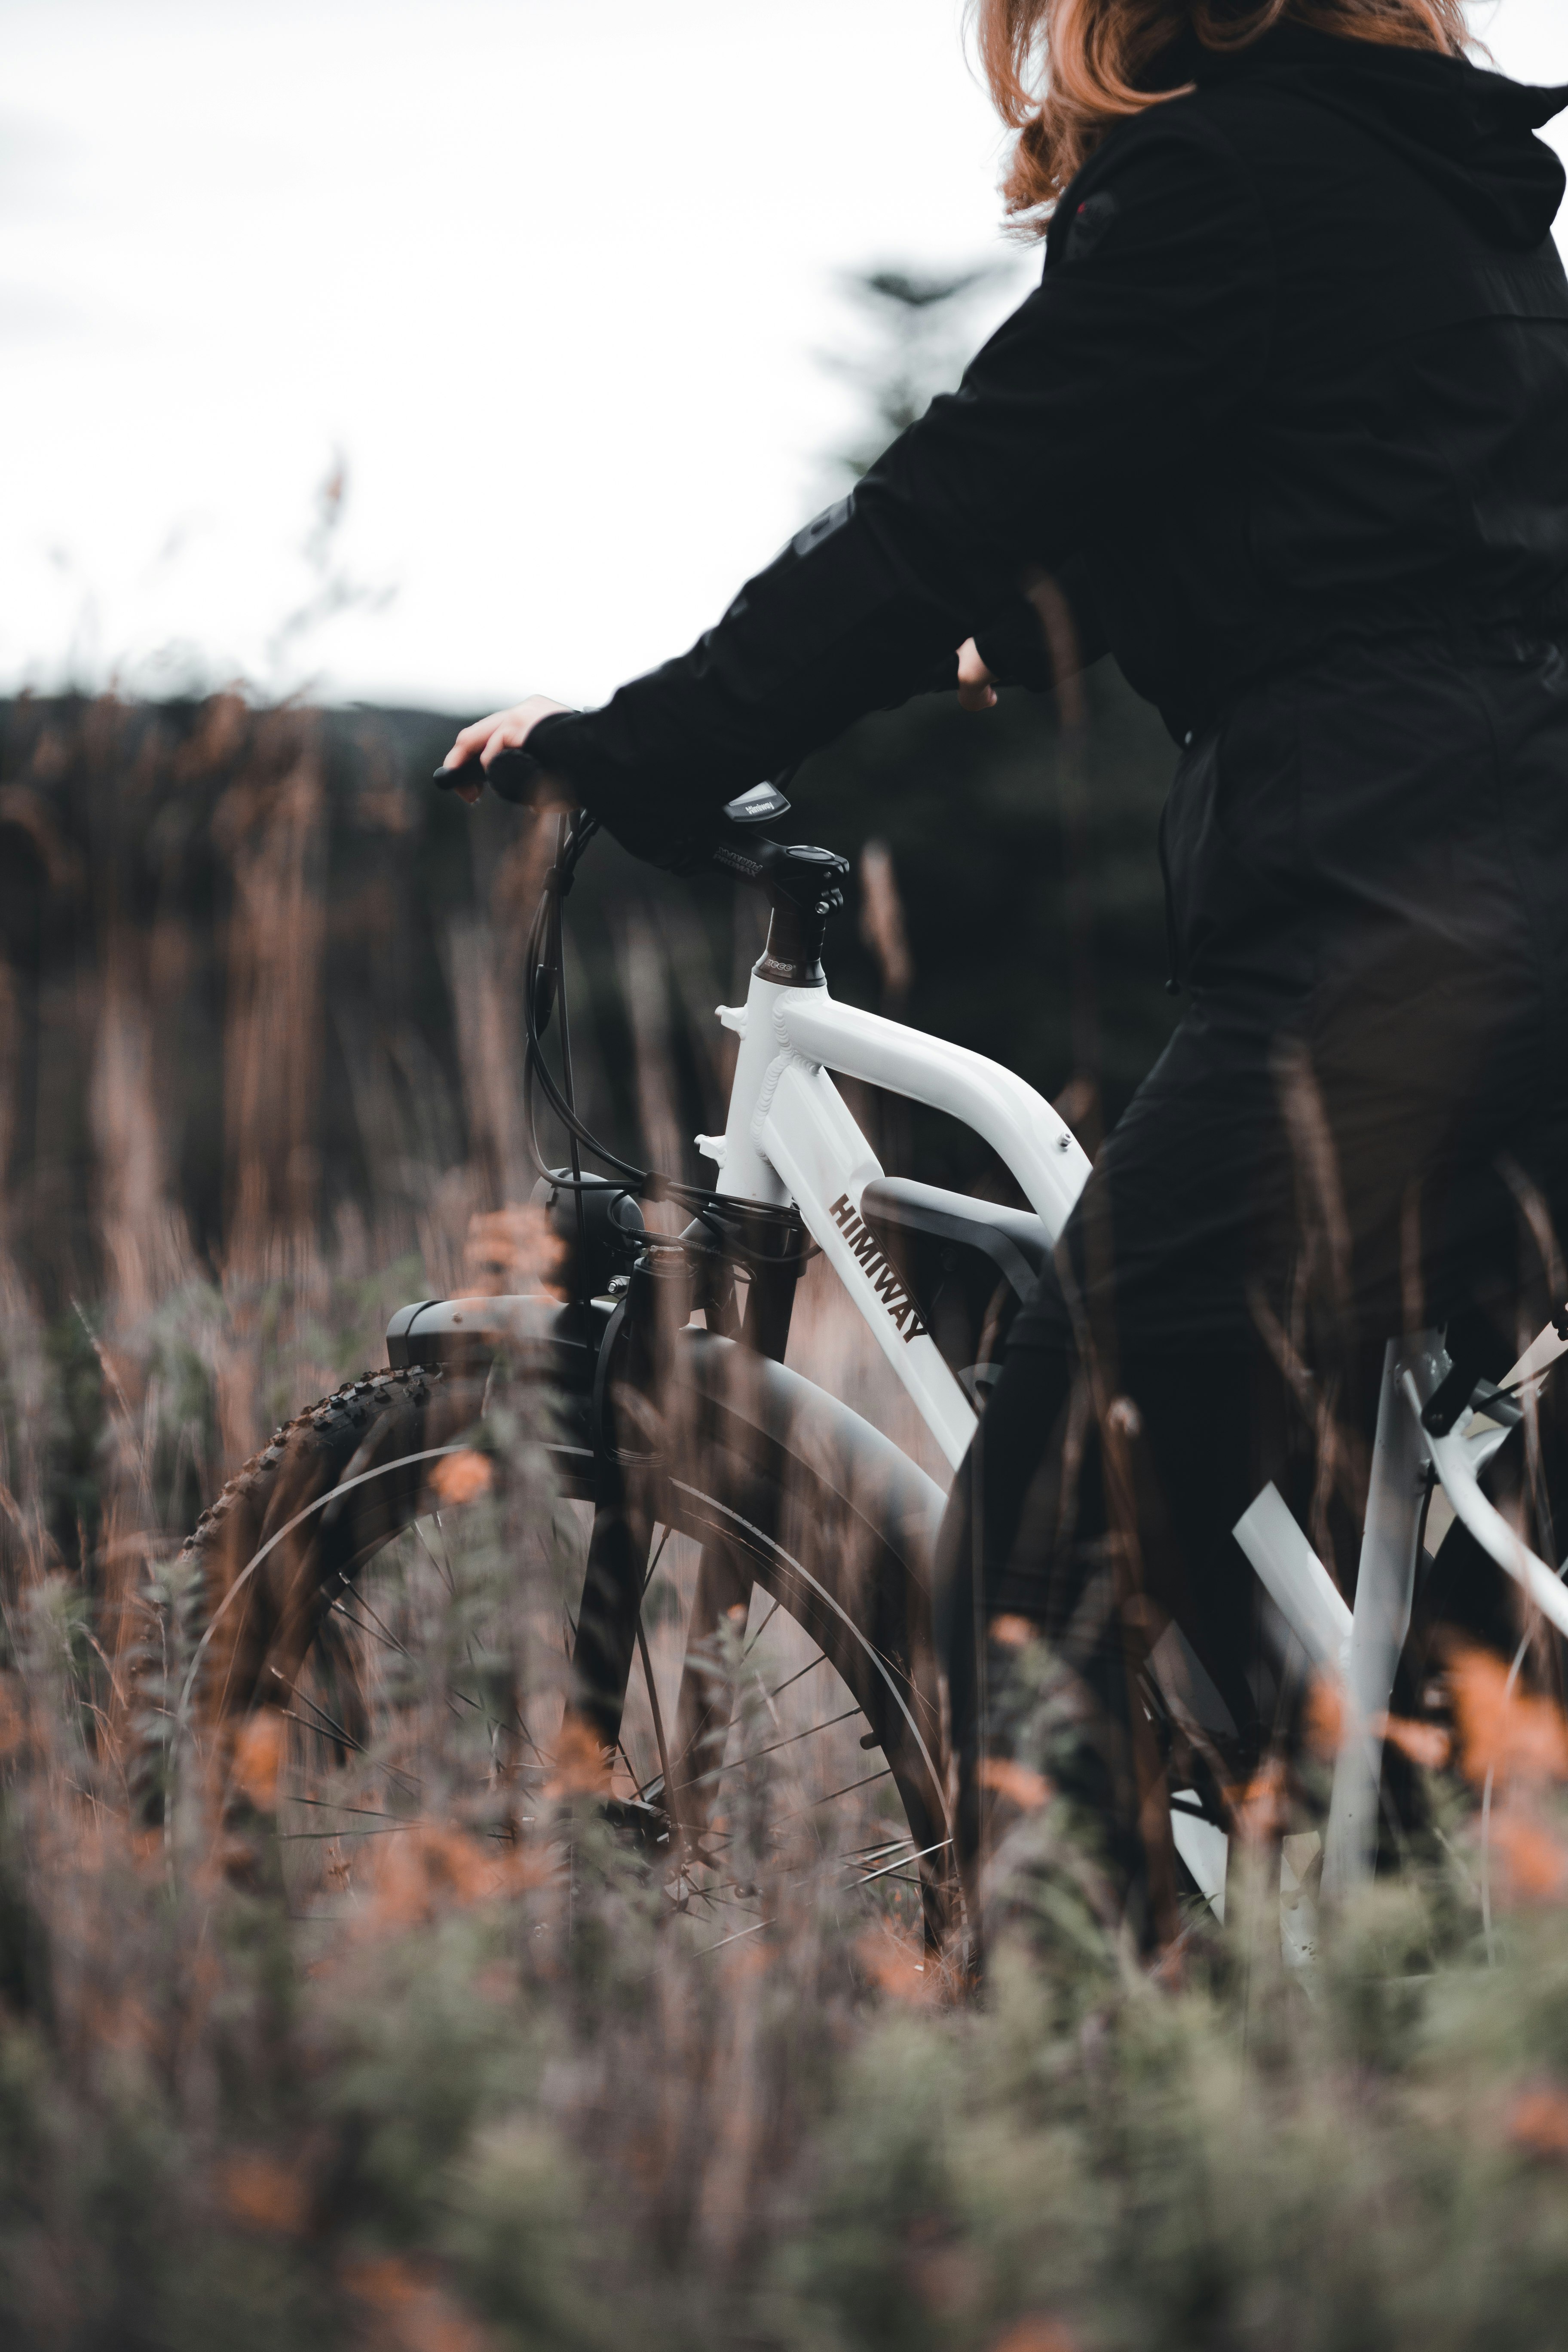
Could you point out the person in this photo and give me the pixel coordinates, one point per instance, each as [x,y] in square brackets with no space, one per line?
[1285,425]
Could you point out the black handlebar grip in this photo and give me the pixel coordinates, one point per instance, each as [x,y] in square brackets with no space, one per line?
[512,775]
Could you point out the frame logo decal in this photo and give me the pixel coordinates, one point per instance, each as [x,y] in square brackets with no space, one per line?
[885,1280]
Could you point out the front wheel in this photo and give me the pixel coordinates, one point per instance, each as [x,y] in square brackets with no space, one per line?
[393,1551]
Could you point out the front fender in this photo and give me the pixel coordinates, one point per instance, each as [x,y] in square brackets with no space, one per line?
[759,1412]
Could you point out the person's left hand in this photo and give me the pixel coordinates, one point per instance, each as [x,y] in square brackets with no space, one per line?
[503,730]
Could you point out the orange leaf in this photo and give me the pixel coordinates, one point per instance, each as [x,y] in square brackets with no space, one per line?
[426,1869]
[122,2023]
[417,2316]
[1538,2120]
[13,1727]
[384,2281]
[1037,2335]
[462,1477]
[890,1963]
[260,2192]
[514,1245]
[1426,1744]
[1323,1716]
[1502,1731]
[1260,1807]
[1028,1790]
[1013,1633]
[1534,1864]
[258,1755]
[582,1767]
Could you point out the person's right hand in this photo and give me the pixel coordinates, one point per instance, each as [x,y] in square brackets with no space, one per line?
[976,690]
[503,730]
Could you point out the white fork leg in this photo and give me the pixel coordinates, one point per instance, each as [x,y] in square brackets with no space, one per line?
[1385,1586]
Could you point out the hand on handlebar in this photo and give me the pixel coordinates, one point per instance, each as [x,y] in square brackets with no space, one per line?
[684,840]
[976,690]
[483,744]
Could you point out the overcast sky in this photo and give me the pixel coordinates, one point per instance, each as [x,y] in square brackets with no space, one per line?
[554,276]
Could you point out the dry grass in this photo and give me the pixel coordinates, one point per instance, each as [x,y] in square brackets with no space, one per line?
[393,2043]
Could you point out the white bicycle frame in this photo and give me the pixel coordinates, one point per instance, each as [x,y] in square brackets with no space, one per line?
[789,1137]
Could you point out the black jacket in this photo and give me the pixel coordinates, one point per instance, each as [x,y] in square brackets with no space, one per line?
[1296,370]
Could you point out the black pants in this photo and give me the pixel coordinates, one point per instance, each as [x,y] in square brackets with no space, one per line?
[1358,1129]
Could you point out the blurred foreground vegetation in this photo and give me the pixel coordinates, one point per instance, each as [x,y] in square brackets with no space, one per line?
[440,2087]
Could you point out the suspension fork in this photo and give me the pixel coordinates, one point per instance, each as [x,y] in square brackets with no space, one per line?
[630,1377]
[704,1708]
[630,1381]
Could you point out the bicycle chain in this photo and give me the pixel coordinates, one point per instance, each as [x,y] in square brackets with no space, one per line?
[353,1404]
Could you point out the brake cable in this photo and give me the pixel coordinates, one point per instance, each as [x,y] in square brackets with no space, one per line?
[544,993]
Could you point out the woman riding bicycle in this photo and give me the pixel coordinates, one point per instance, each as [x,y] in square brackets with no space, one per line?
[1285,423]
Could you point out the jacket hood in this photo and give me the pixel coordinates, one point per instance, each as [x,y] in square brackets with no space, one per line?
[1470,133]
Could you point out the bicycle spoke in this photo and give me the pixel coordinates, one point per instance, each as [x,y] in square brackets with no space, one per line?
[758,1753]
[657,1715]
[334,1805]
[445,1574]
[377,1629]
[337,1730]
[653,1565]
[316,1837]
[761,1629]
[834,1794]
[820,1659]
[735,1938]
[334,1726]
[389,1641]
[903,1862]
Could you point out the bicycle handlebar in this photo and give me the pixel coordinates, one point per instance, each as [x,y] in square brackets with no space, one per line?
[811,879]
[515,775]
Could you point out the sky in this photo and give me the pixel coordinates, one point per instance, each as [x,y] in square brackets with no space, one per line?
[550,286]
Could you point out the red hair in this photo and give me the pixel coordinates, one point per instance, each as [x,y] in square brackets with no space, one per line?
[1062,72]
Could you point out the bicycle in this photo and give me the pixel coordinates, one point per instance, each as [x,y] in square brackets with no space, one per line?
[786,1491]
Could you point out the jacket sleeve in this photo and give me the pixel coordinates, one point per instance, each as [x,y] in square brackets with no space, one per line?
[1012,643]
[1147,335]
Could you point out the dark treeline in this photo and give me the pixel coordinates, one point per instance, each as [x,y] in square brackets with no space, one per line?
[258,975]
